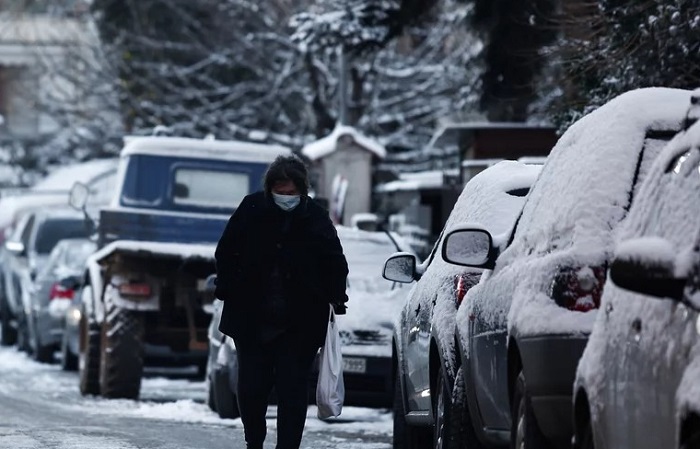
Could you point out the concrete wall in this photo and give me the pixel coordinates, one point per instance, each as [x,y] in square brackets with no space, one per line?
[355,164]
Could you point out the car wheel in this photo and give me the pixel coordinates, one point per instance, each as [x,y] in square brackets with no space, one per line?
[121,354]
[8,334]
[89,358]
[525,433]
[462,434]
[23,342]
[69,361]
[442,413]
[41,353]
[587,437]
[405,435]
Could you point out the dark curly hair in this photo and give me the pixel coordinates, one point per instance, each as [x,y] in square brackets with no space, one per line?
[287,168]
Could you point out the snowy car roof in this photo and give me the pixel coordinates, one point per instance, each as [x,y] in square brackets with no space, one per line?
[232,150]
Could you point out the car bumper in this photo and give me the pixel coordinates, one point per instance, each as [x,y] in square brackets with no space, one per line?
[549,364]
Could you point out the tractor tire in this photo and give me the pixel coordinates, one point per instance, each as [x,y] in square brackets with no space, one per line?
[121,354]
[89,357]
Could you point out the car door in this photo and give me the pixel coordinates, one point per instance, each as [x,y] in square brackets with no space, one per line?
[488,344]
[418,313]
[17,262]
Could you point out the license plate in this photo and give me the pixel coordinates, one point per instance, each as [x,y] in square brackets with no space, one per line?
[354,365]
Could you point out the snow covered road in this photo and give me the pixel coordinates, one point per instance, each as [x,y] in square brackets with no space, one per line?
[41,408]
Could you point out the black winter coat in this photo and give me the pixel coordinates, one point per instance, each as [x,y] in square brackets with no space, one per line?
[314,269]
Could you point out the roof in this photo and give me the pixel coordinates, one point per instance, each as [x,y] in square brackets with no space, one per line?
[447,132]
[327,145]
[233,150]
[433,179]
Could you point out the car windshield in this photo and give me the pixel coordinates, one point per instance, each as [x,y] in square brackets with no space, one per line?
[53,230]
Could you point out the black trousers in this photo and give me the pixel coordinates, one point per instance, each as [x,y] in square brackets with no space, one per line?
[285,364]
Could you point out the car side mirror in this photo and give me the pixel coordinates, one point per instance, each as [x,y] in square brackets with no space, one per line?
[79,195]
[400,267]
[647,265]
[471,247]
[16,248]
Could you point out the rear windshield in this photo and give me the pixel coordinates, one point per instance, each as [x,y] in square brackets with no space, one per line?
[51,231]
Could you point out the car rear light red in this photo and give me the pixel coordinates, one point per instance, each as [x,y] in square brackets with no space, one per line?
[578,289]
[135,289]
[463,283]
[460,289]
[60,292]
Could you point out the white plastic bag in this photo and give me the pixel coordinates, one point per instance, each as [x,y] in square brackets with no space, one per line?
[330,390]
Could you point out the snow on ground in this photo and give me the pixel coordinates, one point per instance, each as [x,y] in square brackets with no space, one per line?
[164,399]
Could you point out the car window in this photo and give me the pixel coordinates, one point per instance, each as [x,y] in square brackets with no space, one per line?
[77,253]
[51,231]
[210,188]
[653,144]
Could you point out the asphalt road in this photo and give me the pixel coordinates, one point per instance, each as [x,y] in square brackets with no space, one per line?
[41,408]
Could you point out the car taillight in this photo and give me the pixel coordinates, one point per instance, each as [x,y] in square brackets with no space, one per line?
[463,283]
[135,289]
[460,289]
[60,292]
[578,288]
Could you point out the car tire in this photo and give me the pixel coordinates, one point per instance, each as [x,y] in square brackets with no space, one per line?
[692,441]
[121,353]
[211,402]
[405,435]
[442,413]
[587,441]
[41,353]
[89,357]
[23,339]
[69,361]
[462,434]
[8,334]
[525,433]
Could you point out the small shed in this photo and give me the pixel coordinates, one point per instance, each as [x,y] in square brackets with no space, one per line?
[341,171]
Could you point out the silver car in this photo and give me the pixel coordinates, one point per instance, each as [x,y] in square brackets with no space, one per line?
[52,295]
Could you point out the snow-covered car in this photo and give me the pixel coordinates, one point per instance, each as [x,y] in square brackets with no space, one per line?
[637,382]
[51,295]
[366,329]
[424,357]
[526,324]
[28,251]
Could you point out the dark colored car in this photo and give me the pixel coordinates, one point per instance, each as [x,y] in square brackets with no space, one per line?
[27,252]
[523,328]
[637,381]
[424,356]
[52,294]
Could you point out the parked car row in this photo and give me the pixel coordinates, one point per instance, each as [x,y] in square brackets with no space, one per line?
[42,240]
[512,374]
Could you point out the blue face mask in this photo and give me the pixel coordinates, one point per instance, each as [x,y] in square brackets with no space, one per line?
[286,202]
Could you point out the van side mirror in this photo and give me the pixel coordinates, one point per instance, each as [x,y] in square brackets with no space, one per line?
[647,265]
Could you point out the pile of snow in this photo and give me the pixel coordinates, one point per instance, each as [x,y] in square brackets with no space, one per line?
[327,145]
